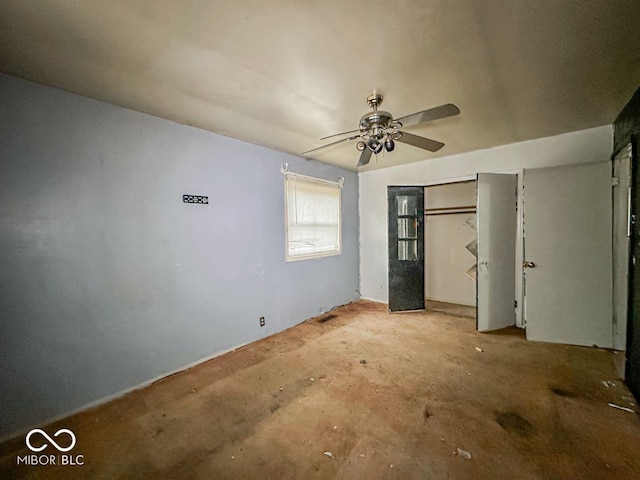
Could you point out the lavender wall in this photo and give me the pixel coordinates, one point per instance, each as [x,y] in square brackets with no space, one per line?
[108,280]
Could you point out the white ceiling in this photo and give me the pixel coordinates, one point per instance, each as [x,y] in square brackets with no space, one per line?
[283,73]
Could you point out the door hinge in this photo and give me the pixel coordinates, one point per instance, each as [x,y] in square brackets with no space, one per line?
[615,181]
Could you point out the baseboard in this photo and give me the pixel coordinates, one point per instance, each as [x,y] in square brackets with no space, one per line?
[374,300]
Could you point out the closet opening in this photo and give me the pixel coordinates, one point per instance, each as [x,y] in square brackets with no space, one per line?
[450,248]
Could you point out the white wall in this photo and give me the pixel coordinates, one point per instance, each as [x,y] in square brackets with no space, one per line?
[445,238]
[586,146]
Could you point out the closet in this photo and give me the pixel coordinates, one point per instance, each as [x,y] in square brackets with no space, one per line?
[450,244]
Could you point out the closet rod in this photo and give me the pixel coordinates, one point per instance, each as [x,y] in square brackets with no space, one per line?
[448,213]
[463,207]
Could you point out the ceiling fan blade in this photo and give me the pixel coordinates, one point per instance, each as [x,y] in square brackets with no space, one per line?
[338,134]
[442,111]
[365,156]
[420,142]
[332,143]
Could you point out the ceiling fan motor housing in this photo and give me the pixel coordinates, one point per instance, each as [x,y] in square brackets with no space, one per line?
[375,120]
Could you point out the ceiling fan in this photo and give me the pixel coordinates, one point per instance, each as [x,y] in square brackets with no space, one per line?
[378,130]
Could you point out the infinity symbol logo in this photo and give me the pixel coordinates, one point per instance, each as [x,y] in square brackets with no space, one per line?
[62,449]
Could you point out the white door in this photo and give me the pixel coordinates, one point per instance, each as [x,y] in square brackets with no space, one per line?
[567,240]
[497,223]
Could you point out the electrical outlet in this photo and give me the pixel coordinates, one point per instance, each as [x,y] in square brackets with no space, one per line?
[262,322]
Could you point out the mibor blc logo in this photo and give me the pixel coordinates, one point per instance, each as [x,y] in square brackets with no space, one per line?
[63,440]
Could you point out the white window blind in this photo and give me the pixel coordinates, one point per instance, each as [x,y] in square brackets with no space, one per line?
[313,217]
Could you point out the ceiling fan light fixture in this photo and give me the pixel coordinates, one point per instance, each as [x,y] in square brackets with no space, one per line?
[374,145]
[389,144]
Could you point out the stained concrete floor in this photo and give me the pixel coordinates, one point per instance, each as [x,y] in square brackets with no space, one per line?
[450,308]
[366,395]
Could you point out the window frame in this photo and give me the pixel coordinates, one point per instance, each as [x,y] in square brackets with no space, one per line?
[289,176]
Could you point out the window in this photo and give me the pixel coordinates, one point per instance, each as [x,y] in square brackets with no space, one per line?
[312,217]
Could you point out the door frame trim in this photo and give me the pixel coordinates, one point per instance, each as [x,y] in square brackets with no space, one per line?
[620,331]
[521,321]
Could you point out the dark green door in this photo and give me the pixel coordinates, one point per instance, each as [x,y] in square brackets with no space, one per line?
[406,248]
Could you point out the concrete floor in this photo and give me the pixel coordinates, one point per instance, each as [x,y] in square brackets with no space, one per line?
[389,396]
[450,308]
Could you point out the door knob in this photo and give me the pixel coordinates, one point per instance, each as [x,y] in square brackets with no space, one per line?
[526,264]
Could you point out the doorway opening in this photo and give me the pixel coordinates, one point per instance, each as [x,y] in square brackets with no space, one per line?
[450,248]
